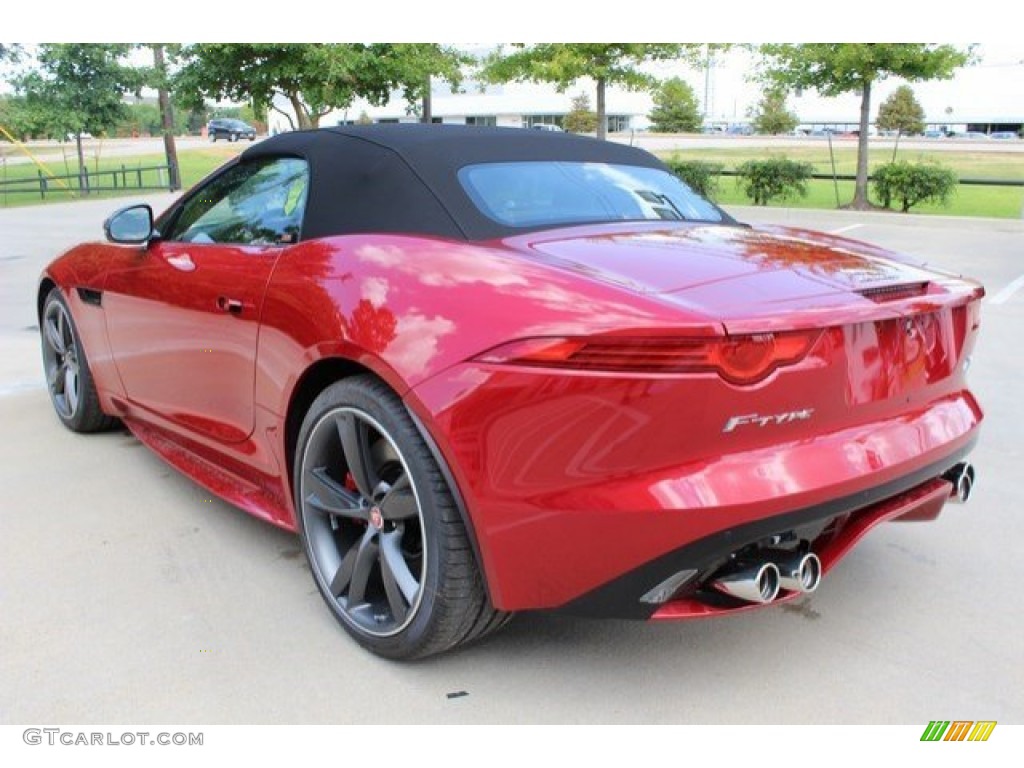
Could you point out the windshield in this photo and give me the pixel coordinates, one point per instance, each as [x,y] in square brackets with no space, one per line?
[543,193]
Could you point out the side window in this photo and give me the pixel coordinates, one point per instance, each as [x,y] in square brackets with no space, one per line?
[257,203]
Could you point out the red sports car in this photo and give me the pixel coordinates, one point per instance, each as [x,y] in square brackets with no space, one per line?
[483,370]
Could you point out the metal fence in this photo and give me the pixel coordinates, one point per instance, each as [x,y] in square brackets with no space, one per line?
[851,177]
[835,178]
[151,177]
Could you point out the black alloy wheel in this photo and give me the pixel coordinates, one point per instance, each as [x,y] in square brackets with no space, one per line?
[68,378]
[363,520]
[60,358]
[385,542]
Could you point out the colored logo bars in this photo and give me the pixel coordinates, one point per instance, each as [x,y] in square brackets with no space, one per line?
[958,730]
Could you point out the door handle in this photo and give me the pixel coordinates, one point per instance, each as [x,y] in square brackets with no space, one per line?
[224,304]
[182,262]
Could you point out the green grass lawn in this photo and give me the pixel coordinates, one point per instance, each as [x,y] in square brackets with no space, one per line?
[1008,166]
[194,165]
[993,202]
[998,202]
[967,200]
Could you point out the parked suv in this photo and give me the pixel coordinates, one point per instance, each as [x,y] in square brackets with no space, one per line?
[230,129]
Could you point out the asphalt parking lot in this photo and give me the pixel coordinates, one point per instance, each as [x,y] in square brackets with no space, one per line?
[130,596]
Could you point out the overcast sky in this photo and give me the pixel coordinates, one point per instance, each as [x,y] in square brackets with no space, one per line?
[990,90]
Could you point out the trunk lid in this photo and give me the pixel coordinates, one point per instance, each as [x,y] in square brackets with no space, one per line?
[752,279]
[889,326]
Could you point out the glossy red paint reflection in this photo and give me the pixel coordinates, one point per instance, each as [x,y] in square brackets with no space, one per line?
[580,458]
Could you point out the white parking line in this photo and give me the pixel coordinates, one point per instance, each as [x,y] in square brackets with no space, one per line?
[1007,293]
[845,229]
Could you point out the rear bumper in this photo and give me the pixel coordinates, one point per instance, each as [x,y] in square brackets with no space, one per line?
[584,494]
[835,527]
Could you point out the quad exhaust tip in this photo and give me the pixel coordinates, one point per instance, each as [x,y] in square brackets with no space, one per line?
[757,583]
[962,478]
[761,582]
[799,572]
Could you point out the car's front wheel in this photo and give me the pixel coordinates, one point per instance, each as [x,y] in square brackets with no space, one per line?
[385,541]
[68,377]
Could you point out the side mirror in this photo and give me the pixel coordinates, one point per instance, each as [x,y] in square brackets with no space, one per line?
[132,225]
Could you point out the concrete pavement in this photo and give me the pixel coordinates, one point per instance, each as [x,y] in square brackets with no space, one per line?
[130,595]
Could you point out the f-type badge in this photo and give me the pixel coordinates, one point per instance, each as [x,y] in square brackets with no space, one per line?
[775,419]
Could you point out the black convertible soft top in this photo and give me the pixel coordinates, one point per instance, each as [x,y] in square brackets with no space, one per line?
[404,178]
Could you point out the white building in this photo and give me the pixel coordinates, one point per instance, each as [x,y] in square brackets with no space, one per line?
[516,105]
[991,94]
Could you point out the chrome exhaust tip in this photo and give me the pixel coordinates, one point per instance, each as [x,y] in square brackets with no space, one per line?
[962,478]
[757,583]
[799,572]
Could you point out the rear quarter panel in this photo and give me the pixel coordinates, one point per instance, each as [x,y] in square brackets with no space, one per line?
[408,308]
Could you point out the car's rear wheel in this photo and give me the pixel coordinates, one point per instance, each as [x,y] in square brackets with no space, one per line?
[68,377]
[387,547]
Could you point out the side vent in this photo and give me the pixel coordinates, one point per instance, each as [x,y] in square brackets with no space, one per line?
[89,296]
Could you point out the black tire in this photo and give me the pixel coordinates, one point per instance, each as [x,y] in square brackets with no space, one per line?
[68,378]
[385,542]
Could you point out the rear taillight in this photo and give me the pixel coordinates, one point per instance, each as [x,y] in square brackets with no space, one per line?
[737,359]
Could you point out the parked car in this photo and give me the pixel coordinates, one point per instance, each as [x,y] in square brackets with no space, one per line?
[230,129]
[517,370]
[547,127]
[1004,135]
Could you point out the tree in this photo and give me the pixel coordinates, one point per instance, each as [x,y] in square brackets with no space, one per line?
[581,119]
[314,78]
[676,109]
[78,88]
[10,52]
[913,183]
[776,177]
[606,63]
[418,64]
[161,81]
[699,175]
[257,118]
[901,112]
[835,68]
[140,118]
[770,116]
[19,119]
